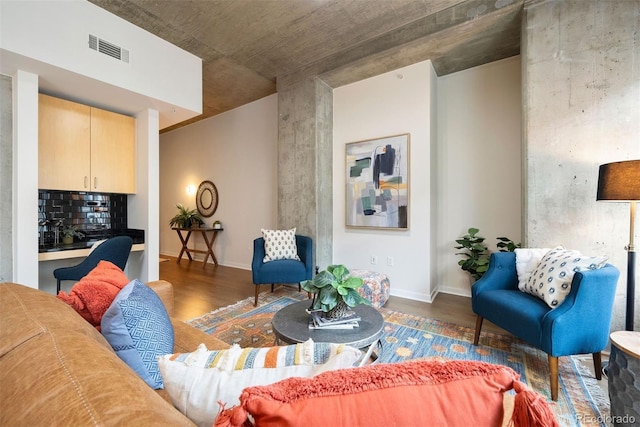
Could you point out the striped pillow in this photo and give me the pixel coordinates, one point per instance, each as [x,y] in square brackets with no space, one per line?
[237,358]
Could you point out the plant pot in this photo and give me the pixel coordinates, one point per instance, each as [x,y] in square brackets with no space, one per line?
[339,311]
[67,240]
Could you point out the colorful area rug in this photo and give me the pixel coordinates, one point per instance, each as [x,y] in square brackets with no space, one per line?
[581,402]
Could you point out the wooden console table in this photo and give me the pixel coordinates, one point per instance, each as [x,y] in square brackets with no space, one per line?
[209,242]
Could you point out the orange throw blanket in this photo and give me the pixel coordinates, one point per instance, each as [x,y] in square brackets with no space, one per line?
[95,292]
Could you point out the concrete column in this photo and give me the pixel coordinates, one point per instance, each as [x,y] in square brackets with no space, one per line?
[581,108]
[305,152]
[6,179]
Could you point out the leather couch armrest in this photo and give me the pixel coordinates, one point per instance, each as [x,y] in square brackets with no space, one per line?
[164,290]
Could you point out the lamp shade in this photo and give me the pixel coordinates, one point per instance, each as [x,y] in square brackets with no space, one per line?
[619,181]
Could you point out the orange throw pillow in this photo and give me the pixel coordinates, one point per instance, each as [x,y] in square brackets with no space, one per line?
[93,294]
[428,393]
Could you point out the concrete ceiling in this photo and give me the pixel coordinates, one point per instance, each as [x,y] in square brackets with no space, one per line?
[250,47]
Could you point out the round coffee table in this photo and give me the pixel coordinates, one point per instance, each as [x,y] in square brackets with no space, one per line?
[291,325]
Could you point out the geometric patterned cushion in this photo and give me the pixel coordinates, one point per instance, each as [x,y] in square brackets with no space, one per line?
[138,328]
[375,286]
[280,244]
[551,279]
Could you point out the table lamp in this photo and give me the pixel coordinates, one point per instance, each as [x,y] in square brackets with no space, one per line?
[620,182]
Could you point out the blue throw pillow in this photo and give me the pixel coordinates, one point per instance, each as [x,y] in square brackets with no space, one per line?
[139,329]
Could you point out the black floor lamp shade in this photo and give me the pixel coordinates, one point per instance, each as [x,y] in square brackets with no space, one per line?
[620,182]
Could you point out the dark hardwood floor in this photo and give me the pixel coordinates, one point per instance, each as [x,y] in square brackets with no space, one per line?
[199,290]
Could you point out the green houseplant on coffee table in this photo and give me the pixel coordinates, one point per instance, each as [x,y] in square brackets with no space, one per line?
[335,291]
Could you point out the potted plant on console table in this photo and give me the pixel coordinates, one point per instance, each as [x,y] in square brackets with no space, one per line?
[186,218]
[335,292]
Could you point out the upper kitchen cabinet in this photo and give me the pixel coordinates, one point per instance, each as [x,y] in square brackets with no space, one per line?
[64,144]
[82,148]
[113,138]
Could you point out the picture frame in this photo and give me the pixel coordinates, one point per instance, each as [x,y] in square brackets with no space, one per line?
[377,183]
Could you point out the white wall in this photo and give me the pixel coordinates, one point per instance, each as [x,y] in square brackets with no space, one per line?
[237,151]
[389,104]
[25,181]
[479,162]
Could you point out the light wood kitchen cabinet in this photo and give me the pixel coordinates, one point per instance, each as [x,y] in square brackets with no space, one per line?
[64,144]
[112,152]
[82,148]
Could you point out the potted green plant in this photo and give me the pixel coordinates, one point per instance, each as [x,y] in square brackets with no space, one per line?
[505,244]
[186,218]
[69,232]
[476,256]
[335,291]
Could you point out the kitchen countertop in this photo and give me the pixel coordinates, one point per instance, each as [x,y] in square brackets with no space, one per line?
[82,248]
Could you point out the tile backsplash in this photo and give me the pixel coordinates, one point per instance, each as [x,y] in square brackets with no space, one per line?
[93,213]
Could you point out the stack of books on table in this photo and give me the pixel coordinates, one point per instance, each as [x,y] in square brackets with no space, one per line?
[318,320]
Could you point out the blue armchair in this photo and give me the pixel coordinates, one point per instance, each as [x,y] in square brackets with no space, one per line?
[282,270]
[579,325]
[115,250]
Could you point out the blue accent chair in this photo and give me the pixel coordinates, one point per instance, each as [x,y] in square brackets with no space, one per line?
[282,270]
[579,325]
[115,250]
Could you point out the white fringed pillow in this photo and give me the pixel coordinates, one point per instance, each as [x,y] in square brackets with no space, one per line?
[280,244]
[551,279]
[197,382]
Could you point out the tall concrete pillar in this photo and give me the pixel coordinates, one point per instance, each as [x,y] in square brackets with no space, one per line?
[305,157]
[6,179]
[581,83]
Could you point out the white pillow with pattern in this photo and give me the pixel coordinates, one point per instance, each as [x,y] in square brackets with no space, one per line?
[280,244]
[551,279]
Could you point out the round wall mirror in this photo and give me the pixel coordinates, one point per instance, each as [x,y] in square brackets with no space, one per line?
[207,198]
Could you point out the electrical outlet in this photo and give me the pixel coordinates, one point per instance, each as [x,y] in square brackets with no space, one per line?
[390,261]
[374,259]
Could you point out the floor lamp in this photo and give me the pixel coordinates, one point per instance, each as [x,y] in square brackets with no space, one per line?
[620,182]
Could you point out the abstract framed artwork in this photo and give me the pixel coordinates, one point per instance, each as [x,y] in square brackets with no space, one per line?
[377,193]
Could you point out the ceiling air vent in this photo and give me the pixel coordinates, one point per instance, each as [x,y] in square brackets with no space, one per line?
[107,48]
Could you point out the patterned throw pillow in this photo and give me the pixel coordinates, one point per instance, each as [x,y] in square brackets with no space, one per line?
[527,259]
[197,382]
[551,279]
[139,329]
[280,244]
